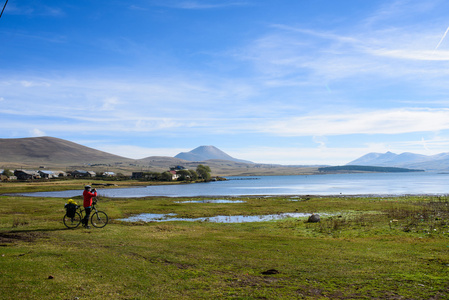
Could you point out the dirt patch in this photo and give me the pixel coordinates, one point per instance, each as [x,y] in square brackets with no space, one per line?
[13,237]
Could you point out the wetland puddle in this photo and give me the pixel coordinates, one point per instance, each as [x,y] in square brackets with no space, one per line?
[212,201]
[216,219]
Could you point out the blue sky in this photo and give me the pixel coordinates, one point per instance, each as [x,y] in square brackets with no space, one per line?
[286,81]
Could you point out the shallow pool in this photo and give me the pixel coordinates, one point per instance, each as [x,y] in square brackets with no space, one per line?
[211,201]
[217,219]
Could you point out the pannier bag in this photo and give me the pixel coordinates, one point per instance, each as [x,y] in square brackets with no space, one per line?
[70,208]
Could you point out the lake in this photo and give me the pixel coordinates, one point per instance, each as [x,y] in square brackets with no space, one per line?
[416,183]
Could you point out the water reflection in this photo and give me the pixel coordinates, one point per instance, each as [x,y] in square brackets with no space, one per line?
[216,219]
[212,201]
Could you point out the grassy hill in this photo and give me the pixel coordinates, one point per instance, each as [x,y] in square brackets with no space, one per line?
[52,151]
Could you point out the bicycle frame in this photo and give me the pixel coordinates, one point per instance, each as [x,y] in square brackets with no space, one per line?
[92,210]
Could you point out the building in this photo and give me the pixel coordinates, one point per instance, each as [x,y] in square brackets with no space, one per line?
[26,174]
[82,173]
[46,174]
[60,173]
[174,176]
[108,174]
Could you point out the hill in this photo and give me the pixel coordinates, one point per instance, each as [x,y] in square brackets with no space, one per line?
[438,162]
[358,168]
[51,152]
[54,151]
[203,153]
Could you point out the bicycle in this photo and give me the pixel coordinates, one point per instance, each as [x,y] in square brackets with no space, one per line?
[99,219]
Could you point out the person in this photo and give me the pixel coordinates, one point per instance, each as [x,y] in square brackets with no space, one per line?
[88,194]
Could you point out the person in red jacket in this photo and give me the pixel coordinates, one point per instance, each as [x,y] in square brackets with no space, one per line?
[88,195]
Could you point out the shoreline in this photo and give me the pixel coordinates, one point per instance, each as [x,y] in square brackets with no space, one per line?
[303,197]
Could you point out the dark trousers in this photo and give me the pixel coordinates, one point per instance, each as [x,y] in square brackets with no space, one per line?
[86,217]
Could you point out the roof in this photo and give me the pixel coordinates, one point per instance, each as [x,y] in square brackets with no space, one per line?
[46,172]
[30,172]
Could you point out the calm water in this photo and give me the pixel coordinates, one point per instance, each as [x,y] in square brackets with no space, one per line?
[336,184]
[216,219]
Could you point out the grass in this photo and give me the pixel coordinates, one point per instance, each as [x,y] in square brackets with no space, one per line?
[367,248]
[43,185]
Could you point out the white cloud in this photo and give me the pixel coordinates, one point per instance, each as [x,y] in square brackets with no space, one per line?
[321,140]
[37,132]
[32,83]
[429,55]
[117,100]
[395,121]
[109,103]
[340,155]
[300,155]
[202,4]
[376,51]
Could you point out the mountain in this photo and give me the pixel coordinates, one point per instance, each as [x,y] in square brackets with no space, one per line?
[438,162]
[203,153]
[32,153]
[53,151]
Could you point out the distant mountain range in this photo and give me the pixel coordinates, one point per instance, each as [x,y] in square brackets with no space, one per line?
[437,162]
[49,152]
[53,150]
[58,153]
[203,153]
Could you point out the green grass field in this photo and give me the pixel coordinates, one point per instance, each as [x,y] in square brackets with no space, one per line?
[368,248]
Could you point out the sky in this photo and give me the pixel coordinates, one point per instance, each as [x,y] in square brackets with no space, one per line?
[271,81]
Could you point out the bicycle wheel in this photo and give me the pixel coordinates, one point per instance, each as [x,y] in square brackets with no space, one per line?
[99,219]
[72,222]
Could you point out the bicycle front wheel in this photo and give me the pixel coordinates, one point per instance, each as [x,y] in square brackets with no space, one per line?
[72,222]
[99,219]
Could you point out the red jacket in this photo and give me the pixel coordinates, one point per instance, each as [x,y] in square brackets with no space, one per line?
[88,198]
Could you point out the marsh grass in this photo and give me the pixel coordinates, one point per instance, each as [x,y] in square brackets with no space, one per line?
[429,216]
[43,185]
[355,253]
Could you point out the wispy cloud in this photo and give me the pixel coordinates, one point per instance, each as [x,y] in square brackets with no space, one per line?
[36,9]
[125,105]
[303,155]
[442,39]
[211,4]
[379,48]
[407,54]
[395,121]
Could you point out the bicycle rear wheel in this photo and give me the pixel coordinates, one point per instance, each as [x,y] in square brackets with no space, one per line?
[72,222]
[99,219]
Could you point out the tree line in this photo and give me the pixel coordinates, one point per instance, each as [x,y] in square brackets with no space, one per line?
[201,173]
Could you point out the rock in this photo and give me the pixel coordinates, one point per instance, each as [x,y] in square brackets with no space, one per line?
[314,218]
[270,272]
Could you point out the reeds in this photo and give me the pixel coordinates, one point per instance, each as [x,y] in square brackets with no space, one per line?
[430,216]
